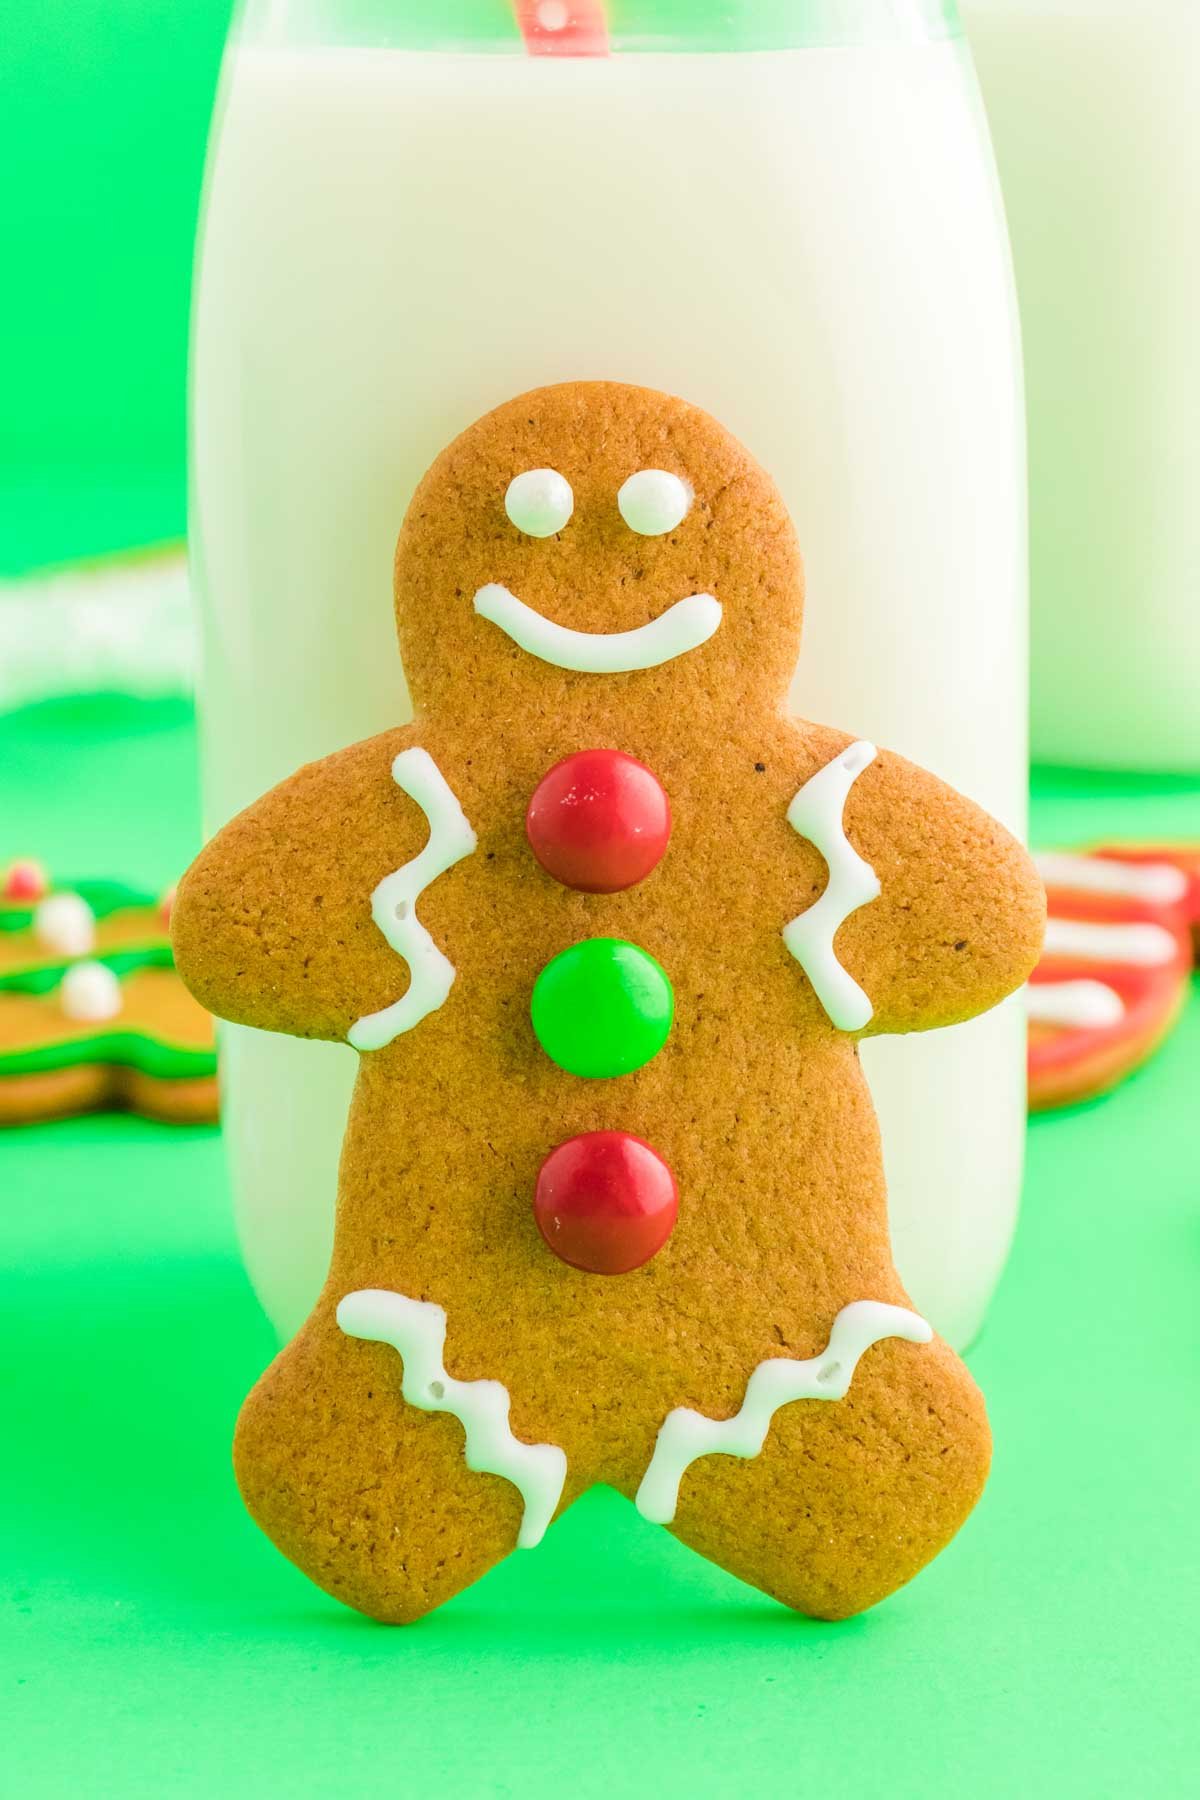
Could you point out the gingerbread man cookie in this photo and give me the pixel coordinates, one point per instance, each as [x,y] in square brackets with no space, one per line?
[606,926]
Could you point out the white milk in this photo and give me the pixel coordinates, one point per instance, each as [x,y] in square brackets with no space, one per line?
[1095,107]
[809,244]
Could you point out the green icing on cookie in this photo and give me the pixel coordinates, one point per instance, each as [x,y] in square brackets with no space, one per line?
[132,1049]
[104,898]
[156,1057]
[45,978]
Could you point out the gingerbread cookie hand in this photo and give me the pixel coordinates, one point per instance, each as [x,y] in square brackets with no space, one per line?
[301,915]
[937,911]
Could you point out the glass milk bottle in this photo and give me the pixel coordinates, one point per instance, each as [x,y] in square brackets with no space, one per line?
[785,211]
[1095,106]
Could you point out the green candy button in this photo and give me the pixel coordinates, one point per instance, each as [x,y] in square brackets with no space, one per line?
[602,1008]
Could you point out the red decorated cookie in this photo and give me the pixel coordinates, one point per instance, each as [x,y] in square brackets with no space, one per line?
[1114,972]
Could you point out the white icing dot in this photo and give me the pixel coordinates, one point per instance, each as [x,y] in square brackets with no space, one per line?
[539,502]
[553,15]
[652,502]
[65,924]
[90,992]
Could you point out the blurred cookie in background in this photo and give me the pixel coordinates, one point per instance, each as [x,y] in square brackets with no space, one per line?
[92,1014]
[1120,944]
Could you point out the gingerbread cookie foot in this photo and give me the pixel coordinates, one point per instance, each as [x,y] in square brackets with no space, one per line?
[848,1499]
[369,1496]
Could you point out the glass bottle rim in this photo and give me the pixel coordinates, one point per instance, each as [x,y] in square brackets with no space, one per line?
[634,26]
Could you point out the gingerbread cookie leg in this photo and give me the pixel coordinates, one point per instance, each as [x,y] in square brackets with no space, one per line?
[350,1456]
[848,1497]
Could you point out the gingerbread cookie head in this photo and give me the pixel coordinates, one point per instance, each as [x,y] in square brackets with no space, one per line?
[597,528]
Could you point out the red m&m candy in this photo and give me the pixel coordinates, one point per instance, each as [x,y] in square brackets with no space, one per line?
[599,821]
[605,1202]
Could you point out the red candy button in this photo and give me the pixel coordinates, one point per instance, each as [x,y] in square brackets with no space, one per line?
[605,1202]
[599,821]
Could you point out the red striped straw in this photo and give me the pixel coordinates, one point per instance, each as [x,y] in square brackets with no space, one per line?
[563,27]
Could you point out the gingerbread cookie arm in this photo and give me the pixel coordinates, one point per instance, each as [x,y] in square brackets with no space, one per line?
[932,911]
[276,923]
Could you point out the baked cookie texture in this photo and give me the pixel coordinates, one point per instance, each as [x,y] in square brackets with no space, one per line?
[756,1100]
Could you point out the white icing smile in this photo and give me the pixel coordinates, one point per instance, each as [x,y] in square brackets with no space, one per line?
[683,627]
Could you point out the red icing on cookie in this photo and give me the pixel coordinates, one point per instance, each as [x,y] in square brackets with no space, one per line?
[599,821]
[1184,857]
[605,1202]
[1071,1060]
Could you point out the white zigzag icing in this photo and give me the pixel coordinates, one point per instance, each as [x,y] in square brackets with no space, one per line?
[686,1435]
[816,813]
[393,904]
[417,1330]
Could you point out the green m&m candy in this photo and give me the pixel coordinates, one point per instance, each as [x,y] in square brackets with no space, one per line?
[602,1008]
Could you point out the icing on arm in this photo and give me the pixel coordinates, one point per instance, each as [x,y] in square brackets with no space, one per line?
[686,1435]
[417,1330]
[816,813]
[394,901]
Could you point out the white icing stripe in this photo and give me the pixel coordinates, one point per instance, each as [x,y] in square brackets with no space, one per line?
[417,1330]
[1141,945]
[686,1435]
[816,813]
[1082,1003]
[684,626]
[1160,883]
[393,904]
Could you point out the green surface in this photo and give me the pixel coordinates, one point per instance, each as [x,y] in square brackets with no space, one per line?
[156,1645]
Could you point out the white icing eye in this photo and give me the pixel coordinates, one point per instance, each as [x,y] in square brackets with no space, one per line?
[539,502]
[653,502]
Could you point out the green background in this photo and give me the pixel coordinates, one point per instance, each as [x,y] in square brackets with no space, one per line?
[151,1642]
[154,1644]
[104,108]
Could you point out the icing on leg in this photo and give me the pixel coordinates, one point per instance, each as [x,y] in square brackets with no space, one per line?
[394,902]
[686,1435]
[416,1329]
[816,814]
